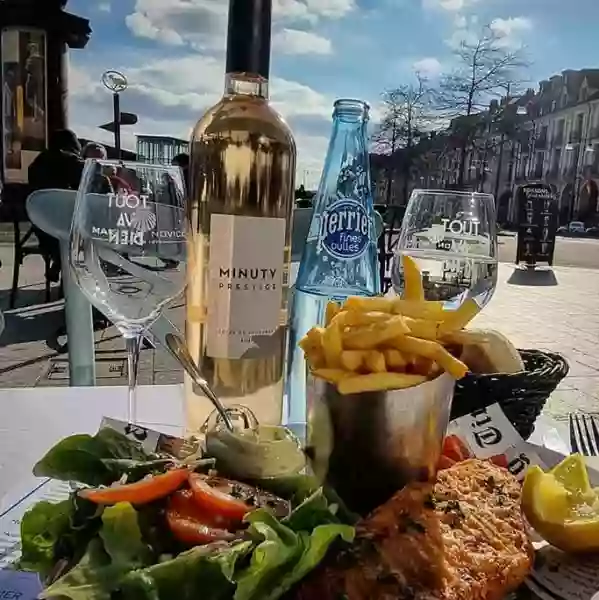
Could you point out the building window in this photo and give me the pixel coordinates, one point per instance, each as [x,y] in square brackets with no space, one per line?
[557,157]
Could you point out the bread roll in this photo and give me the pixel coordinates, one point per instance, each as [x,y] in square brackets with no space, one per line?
[487,351]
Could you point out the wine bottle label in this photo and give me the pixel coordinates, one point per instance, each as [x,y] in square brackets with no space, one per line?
[245,287]
[344,229]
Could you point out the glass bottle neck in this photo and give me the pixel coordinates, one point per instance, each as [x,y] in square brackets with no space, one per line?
[246,84]
[352,129]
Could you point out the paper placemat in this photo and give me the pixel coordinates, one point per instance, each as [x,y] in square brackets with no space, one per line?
[486,433]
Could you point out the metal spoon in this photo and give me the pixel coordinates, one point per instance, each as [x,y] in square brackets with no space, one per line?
[163,332]
[179,350]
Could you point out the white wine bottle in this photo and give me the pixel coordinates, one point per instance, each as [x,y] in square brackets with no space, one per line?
[241,198]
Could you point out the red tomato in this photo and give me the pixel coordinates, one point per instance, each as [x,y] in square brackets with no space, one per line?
[190,526]
[218,496]
[232,500]
[455,449]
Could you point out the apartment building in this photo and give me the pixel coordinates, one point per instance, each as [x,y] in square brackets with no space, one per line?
[549,135]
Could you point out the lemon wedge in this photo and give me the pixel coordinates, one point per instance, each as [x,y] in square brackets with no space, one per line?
[562,506]
[572,474]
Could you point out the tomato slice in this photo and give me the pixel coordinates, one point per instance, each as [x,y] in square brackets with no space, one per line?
[192,527]
[232,499]
[141,492]
[455,449]
[192,532]
[218,496]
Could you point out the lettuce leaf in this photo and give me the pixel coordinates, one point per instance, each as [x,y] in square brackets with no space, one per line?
[313,511]
[204,572]
[91,459]
[54,531]
[41,528]
[315,545]
[93,578]
[278,550]
[108,559]
[287,552]
[122,537]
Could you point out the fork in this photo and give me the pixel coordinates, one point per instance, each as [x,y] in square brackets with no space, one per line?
[584,434]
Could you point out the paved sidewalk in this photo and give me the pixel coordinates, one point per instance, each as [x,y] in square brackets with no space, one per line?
[553,310]
[556,311]
[30,354]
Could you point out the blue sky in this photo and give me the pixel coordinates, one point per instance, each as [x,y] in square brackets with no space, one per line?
[172,53]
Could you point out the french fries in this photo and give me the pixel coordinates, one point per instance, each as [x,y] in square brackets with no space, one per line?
[413,280]
[374,344]
[332,309]
[367,338]
[352,360]
[459,318]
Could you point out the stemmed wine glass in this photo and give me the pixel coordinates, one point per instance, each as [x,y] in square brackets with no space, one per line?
[128,246]
[452,236]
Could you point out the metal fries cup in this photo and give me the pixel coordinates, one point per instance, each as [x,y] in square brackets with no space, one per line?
[368,446]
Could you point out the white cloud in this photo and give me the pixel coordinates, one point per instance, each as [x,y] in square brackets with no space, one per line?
[170,95]
[448,5]
[295,99]
[510,31]
[460,21]
[142,26]
[312,10]
[104,7]
[428,67]
[332,9]
[311,153]
[295,41]
[202,23]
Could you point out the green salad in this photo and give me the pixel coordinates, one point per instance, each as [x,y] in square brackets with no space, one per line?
[146,526]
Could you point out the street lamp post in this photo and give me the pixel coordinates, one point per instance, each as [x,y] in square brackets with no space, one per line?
[115,82]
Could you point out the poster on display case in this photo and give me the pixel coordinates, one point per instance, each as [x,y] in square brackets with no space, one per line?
[537,223]
[24,100]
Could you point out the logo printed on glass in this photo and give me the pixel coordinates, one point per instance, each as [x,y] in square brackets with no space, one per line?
[143,219]
[344,229]
[136,220]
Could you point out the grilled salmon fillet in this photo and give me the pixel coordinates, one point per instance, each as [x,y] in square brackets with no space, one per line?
[464,539]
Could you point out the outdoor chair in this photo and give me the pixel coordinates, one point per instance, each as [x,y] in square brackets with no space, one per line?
[52,212]
[22,250]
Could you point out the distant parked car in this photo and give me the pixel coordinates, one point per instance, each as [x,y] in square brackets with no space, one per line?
[576,227]
[573,228]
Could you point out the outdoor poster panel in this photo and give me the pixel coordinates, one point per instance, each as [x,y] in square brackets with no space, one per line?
[537,223]
[24,100]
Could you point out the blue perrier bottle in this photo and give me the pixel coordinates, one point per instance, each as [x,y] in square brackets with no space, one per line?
[340,255]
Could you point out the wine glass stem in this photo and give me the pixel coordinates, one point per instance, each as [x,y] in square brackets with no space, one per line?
[133,345]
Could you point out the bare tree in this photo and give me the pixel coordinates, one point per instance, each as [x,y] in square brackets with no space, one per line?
[406,117]
[485,68]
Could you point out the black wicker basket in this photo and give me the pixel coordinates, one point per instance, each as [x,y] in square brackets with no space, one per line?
[522,396]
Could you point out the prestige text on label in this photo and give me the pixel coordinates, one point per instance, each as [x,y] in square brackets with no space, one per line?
[250,279]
